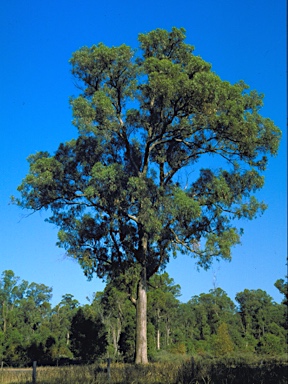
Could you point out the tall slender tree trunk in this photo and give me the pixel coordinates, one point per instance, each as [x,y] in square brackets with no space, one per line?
[167,335]
[141,320]
[158,330]
[158,340]
[116,332]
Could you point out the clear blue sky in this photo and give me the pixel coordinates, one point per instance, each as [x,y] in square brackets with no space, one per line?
[244,40]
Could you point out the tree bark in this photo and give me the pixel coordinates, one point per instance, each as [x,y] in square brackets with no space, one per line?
[141,321]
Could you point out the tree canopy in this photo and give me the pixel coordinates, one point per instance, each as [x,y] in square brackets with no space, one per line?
[118,192]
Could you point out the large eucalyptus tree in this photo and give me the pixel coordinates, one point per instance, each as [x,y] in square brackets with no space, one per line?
[118,192]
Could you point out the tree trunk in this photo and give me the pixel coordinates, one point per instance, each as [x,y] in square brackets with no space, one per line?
[116,332]
[141,321]
[167,335]
[158,330]
[158,339]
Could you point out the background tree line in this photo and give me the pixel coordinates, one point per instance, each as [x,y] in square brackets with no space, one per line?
[209,323]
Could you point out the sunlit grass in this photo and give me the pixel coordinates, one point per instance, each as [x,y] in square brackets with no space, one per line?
[196,371]
[119,373]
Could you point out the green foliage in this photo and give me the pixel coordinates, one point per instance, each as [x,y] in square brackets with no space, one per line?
[118,315]
[162,308]
[256,308]
[282,286]
[222,343]
[151,340]
[24,310]
[271,344]
[88,338]
[207,325]
[60,322]
[127,341]
[142,117]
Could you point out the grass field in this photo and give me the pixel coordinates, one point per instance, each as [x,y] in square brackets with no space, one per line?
[193,371]
[119,373]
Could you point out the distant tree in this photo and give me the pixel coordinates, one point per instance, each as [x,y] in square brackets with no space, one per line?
[60,323]
[24,317]
[219,308]
[263,320]
[210,310]
[12,290]
[281,315]
[254,306]
[162,306]
[88,338]
[35,309]
[223,344]
[127,339]
[282,286]
[41,351]
[127,193]
[115,309]
[32,323]
[187,325]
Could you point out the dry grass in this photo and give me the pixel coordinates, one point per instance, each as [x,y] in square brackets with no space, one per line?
[11,375]
[198,371]
[157,373]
